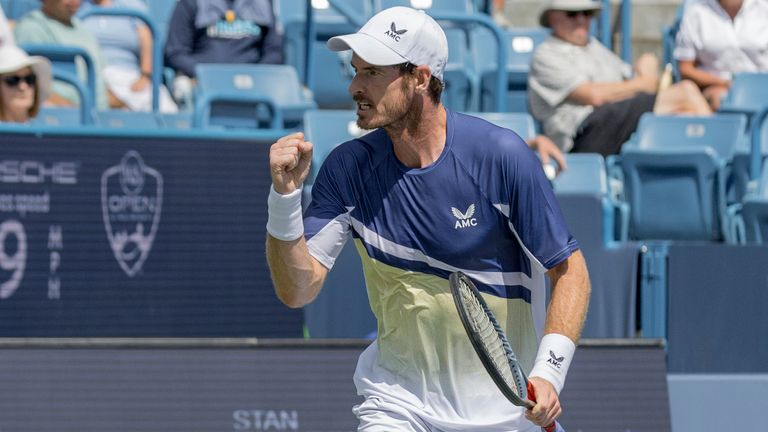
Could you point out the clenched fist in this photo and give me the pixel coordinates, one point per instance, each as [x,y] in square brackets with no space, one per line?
[289,161]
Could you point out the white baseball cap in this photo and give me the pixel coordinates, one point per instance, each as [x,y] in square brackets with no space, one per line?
[398,35]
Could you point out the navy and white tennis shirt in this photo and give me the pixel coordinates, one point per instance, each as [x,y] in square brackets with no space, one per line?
[485,208]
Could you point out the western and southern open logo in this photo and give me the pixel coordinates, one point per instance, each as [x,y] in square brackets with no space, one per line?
[131,200]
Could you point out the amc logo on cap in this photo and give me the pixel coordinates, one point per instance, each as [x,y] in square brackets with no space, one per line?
[394,33]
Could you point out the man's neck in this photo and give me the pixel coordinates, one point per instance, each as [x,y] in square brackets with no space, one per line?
[420,140]
[66,22]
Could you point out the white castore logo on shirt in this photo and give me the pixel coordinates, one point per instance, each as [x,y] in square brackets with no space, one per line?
[464,220]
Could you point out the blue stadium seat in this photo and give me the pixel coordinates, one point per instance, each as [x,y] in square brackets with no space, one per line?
[58,116]
[67,62]
[748,93]
[333,74]
[521,44]
[178,121]
[674,175]
[89,13]
[332,71]
[15,9]
[587,175]
[291,14]
[326,129]
[668,42]
[740,177]
[521,123]
[754,213]
[161,11]
[458,76]
[234,93]
[599,224]
[126,119]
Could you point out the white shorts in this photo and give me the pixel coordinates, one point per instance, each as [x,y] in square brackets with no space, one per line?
[393,405]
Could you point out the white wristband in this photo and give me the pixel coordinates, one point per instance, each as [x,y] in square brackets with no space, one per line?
[553,359]
[285,221]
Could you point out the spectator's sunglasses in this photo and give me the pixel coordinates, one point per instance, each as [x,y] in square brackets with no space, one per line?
[15,80]
[586,13]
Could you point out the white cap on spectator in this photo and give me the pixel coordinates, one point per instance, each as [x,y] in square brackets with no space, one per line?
[398,35]
[13,58]
[567,5]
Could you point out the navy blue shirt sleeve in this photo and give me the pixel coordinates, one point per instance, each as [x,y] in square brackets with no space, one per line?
[180,38]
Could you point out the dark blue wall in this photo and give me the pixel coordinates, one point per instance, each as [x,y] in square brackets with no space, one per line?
[204,272]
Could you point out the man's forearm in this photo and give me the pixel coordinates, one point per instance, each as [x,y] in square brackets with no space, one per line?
[296,275]
[570,298]
[597,94]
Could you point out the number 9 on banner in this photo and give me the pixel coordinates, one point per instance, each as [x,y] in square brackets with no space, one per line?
[15,263]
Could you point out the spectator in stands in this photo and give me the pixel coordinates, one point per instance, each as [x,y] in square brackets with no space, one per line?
[219,31]
[126,44]
[6,34]
[718,38]
[24,83]
[55,24]
[586,98]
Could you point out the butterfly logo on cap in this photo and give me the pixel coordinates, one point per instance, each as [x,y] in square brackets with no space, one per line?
[394,33]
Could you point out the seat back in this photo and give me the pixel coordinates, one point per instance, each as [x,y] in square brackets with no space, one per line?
[326,129]
[674,195]
[458,76]
[234,84]
[586,174]
[521,44]
[722,132]
[179,121]
[740,178]
[748,93]
[66,61]
[291,15]
[58,116]
[675,177]
[520,123]
[668,42]
[126,119]
[15,9]
[161,12]
[754,212]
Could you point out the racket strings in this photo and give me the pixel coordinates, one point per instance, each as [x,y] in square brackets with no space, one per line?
[498,349]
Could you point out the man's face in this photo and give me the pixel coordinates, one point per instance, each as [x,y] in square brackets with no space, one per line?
[61,10]
[383,95]
[571,26]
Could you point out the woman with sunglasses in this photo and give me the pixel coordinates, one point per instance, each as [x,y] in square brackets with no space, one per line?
[24,84]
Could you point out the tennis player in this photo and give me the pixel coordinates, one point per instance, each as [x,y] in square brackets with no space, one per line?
[428,192]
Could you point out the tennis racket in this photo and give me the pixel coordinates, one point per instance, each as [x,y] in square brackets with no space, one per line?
[491,344]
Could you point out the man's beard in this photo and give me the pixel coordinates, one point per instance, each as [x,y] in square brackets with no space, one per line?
[396,113]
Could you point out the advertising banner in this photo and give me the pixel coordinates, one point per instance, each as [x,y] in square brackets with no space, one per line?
[136,236]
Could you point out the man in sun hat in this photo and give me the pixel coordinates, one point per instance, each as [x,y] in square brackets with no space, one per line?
[586,98]
[25,83]
[428,192]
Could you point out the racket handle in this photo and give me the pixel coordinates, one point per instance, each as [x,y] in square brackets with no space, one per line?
[554,427]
